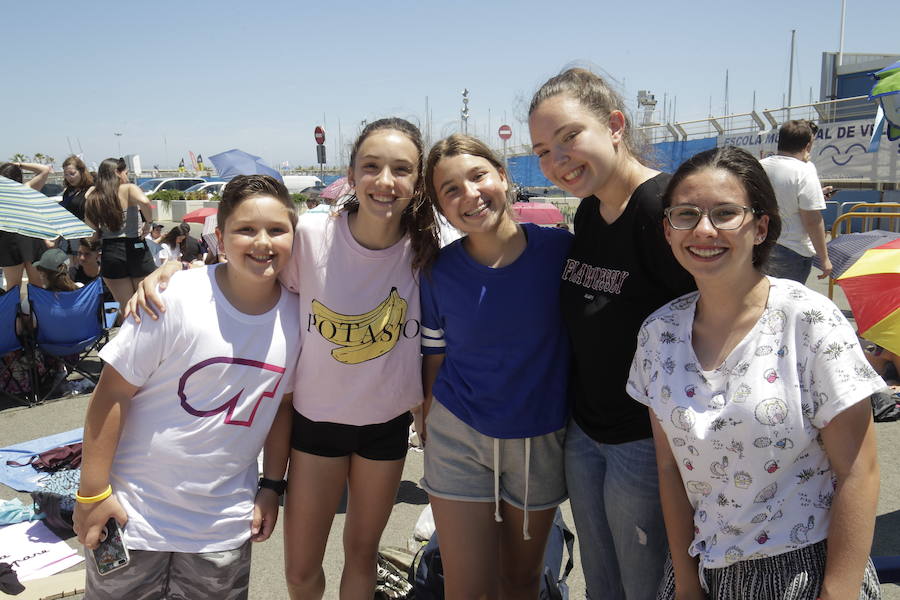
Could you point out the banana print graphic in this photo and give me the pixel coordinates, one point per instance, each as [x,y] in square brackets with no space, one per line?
[362,337]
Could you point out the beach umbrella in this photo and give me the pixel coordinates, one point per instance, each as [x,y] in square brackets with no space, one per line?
[237,162]
[845,250]
[30,213]
[209,233]
[872,287]
[337,188]
[199,215]
[539,213]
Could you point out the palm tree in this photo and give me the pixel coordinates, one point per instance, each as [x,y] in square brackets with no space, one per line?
[39,158]
[18,157]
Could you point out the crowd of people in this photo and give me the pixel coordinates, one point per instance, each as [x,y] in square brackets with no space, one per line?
[706,416]
[117,253]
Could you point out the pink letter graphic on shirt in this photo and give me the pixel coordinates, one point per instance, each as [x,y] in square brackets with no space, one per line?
[235,404]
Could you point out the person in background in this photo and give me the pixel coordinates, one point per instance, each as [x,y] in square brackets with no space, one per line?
[54,270]
[620,270]
[18,252]
[192,249]
[154,239]
[78,181]
[800,203]
[113,207]
[758,395]
[171,245]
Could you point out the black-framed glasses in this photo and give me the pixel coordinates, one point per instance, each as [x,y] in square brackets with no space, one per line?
[724,216]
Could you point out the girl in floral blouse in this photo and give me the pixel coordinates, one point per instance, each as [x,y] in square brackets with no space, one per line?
[758,391]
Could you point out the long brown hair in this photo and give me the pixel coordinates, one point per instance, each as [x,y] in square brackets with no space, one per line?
[102,208]
[417,219]
[86,180]
[58,279]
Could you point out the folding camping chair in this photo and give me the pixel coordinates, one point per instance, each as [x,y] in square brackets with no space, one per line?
[10,341]
[69,325]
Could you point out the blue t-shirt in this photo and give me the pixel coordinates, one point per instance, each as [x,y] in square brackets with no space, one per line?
[506,364]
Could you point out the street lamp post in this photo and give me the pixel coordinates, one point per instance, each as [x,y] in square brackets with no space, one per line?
[118,135]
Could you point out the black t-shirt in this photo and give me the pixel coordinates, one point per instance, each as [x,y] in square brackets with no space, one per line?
[616,275]
[191,250]
[73,201]
[78,275]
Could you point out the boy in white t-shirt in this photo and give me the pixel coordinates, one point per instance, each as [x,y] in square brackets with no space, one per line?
[184,406]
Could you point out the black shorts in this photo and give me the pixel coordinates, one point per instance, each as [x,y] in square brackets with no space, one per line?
[126,257]
[16,249]
[381,441]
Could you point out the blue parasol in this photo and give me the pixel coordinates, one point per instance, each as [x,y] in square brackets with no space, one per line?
[237,162]
[30,213]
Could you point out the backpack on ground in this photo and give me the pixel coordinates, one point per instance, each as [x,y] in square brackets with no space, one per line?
[428,570]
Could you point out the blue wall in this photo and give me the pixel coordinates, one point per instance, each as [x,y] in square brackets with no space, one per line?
[665,156]
[526,171]
[668,156]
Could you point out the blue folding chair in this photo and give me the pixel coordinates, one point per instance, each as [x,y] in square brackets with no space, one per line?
[69,325]
[888,568]
[10,341]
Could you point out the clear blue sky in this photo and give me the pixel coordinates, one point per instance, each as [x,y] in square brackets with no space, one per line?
[174,76]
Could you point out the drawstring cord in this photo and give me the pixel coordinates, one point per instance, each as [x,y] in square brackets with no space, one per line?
[525,535]
[497,516]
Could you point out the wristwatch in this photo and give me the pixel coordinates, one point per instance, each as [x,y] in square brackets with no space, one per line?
[271,484]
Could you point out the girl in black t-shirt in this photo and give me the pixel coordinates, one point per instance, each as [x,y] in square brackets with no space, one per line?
[78,181]
[620,270]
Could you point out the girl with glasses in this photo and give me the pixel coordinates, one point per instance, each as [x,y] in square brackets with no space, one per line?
[758,395]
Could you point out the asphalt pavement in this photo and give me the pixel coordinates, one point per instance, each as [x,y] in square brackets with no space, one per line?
[20,424]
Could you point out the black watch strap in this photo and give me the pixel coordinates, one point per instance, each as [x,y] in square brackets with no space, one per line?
[271,484]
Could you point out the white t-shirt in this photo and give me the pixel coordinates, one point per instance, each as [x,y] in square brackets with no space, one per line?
[797,188]
[211,379]
[360,318]
[746,436]
[167,253]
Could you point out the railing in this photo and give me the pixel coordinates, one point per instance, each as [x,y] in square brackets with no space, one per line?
[857,107]
[868,224]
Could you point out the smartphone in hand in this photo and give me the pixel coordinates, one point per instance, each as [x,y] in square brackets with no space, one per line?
[111,554]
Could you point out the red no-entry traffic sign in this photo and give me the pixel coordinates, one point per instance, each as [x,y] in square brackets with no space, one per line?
[320,135]
[505,132]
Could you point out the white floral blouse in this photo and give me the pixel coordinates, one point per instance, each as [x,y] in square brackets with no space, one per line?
[746,435]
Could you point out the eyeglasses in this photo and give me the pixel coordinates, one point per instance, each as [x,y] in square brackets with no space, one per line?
[724,216]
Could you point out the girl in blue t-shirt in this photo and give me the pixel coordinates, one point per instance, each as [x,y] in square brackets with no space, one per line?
[495,376]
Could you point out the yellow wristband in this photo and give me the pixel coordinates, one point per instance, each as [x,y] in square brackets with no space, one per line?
[92,499]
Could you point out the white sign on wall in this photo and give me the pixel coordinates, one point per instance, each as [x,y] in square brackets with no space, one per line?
[839,151]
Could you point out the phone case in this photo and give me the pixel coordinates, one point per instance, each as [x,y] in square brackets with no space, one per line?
[111,554]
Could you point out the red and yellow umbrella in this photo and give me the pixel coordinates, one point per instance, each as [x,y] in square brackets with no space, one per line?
[872,287]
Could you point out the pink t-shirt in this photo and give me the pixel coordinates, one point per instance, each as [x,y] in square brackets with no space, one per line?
[359,325]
